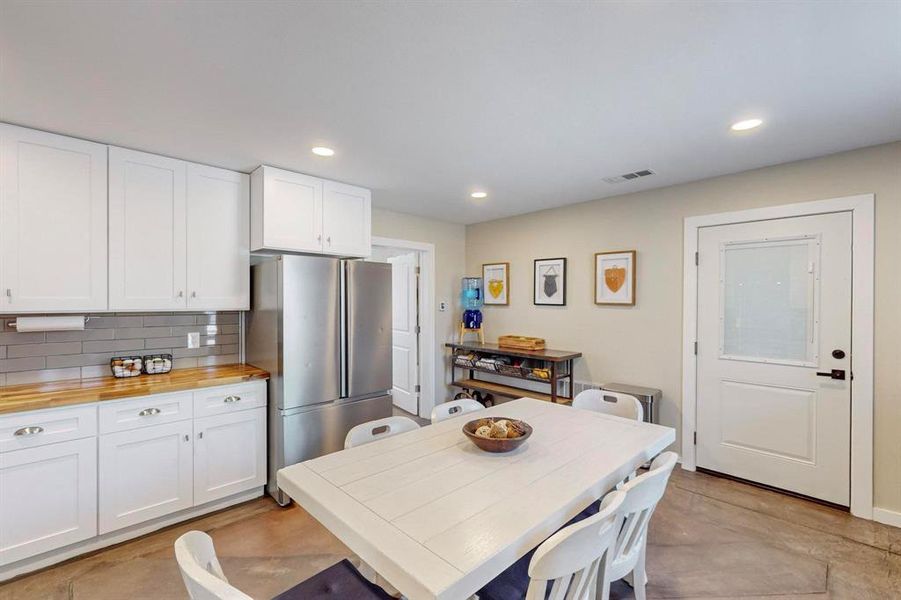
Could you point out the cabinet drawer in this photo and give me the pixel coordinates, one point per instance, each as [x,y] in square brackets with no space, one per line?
[144,411]
[227,399]
[40,427]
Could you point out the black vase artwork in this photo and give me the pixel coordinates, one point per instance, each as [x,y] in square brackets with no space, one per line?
[550,283]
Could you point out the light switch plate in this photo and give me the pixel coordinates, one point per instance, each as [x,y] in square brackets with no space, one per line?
[194,339]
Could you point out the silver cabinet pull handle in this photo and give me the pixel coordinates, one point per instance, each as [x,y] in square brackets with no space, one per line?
[187,438]
[200,435]
[193,294]
[147,412]
[31,430]
[181,294]
[329,240]
[230,399]
[319,238]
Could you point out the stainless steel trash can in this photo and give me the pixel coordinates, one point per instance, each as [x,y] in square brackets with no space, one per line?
[649,397]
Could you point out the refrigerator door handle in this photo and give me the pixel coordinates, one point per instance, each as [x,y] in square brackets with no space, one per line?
[342,300]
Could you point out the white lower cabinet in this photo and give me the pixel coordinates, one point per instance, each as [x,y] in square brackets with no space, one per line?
[145,473]
[71,474]
[229,454]
[48,498]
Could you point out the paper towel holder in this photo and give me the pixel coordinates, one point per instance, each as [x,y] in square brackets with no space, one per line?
[14,325]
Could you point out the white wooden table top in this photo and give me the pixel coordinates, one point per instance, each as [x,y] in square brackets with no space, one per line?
[438,518]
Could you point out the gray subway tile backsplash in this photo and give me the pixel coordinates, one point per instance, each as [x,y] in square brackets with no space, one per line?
[55,355]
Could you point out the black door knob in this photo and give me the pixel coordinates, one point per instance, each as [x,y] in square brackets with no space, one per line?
[838,353]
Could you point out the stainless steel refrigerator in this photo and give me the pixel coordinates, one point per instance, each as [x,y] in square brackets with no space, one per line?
[322,328]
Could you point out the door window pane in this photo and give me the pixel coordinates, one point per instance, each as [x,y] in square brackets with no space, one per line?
[767,300]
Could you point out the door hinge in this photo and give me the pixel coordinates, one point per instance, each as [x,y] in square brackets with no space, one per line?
[696,348]
[696,438]
[697,259]
[416,388]
[418,329]
[418,271]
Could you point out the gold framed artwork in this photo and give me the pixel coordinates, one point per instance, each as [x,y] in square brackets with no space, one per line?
[496,279]
[614,277]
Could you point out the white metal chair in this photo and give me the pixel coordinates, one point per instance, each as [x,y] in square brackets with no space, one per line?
[203,576]
[454,408]
[642,495]
[611,403]
[379,429]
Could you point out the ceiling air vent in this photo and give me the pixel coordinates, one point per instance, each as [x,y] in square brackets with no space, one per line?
[629,176]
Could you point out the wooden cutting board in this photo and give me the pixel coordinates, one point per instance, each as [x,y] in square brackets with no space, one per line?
[521,342]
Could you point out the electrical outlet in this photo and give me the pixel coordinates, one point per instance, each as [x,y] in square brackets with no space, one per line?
[194,339]
[442,306]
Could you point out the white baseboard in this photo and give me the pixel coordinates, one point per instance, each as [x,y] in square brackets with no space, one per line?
[33,563]
[887,517]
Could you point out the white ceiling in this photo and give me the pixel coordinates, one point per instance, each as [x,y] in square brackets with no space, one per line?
[534,102]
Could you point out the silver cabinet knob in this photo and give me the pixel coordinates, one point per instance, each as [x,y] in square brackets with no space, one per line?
[187,438]
[147,412]
[193,294]
[329,240]
[181,294]
[230,399]
[30,430]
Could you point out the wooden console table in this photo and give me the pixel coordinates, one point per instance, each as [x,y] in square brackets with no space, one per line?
[558,362]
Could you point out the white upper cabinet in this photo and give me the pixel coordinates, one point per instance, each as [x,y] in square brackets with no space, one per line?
[291,212]
[346,220]
[218,239]
[287,211]
[53,222]
[147,240]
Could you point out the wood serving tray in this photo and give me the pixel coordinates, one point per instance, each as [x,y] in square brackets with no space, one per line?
[521,342]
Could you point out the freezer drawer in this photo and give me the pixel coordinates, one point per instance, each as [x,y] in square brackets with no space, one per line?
[301,435]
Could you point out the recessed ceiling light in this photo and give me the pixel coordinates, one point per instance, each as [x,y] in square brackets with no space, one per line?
[747,124]
[323,151]
[479,194]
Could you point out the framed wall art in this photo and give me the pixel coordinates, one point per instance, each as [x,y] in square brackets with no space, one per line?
[614,277]
[496,279]
[549,283]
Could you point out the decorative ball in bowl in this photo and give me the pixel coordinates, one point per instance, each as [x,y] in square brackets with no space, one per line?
[497,434]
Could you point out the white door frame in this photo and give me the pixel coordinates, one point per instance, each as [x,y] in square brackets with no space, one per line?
[427,348]
[862,324]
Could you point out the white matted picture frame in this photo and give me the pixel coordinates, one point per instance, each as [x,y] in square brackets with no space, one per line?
[614,278]
[496,279]
[549,282]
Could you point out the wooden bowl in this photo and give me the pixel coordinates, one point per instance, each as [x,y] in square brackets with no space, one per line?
[496,444]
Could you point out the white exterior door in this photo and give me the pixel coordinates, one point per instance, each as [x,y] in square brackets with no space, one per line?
[229,454]
[147,238]
[774,320]
[218,208]
[145,473]
[53,222]
[346,220]
[405,331]
[48,498]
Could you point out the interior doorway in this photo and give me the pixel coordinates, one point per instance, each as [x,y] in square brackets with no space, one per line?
[412,318]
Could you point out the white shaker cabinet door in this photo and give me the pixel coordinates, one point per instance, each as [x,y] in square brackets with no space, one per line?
[147,239]
[346,220]
[230,454]
[145,473]
[218,205]
[53,222]
[48,498]
[287,211]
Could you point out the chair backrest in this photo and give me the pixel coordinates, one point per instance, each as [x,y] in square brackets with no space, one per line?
[576,556]
[455,408]
[201,571]
[642,495]
[371,431]
[611,403]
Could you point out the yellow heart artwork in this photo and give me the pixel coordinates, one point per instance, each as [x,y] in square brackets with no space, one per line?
[615,277]
[496,287]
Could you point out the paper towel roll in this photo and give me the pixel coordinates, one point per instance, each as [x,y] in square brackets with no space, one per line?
[25,324]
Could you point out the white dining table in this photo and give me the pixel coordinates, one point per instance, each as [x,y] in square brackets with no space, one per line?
[438,518]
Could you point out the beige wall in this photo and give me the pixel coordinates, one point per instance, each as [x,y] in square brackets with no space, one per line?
[450,250]
[642,345]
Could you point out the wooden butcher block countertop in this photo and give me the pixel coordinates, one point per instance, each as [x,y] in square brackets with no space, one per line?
[34,396]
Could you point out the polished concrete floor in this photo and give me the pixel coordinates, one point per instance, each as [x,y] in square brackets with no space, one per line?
[710,538]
